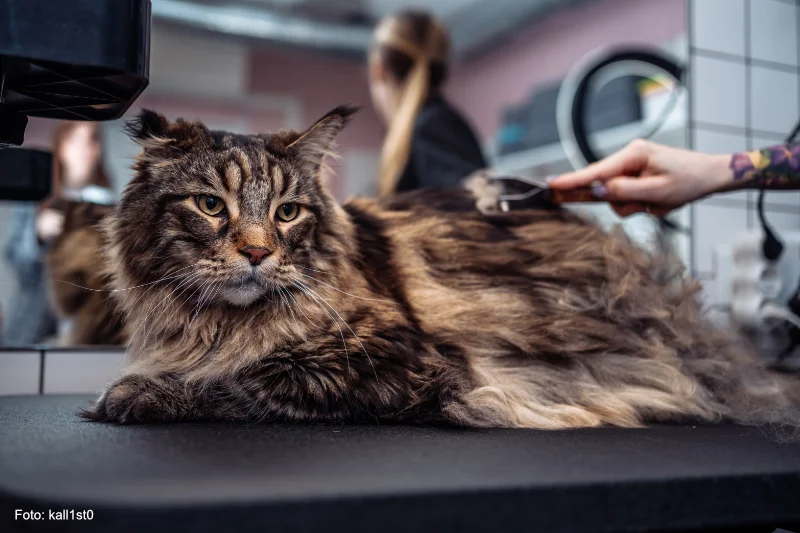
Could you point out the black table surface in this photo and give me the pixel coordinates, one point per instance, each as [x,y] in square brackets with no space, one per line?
[267,477]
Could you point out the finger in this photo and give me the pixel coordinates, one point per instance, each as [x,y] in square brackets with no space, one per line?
[628,161]
[660,211]
[626,209]
[650,189]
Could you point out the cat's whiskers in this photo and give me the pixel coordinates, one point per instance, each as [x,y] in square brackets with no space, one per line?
[168,276]
[348,327]
[346,293]
[204,297]
[191,278]
[287,302]
[344,342]
[132,307]
[311,269]
[203,284]
[158,303]
[298,305]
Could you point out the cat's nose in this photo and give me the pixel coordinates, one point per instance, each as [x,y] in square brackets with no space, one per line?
[255,254]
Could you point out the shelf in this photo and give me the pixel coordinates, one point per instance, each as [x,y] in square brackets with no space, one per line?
[673,133]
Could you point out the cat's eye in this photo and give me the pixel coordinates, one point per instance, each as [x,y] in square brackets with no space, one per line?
[288,212]
[210,205]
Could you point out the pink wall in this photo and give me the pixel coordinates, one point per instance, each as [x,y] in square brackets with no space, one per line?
[546,50]
[320,83]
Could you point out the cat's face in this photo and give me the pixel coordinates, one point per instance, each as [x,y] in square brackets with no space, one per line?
[228,215]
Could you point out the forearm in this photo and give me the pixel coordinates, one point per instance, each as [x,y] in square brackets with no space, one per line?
[775,167]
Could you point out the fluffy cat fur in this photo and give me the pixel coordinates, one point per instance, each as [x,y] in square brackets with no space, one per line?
[415,308]
[75,264]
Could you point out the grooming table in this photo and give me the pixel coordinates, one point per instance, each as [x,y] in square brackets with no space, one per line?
[284,477]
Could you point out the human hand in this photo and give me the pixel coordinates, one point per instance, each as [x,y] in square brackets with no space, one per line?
[49,224]
[650,177]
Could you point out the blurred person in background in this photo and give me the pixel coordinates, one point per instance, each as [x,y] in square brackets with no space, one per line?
[77,163]
[428,143]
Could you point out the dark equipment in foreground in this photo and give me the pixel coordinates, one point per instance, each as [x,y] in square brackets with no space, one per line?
[76,60]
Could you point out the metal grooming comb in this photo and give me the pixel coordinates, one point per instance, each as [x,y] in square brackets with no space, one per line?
[538,194]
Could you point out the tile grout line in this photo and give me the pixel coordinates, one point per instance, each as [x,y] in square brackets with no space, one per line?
[733,58]
[691,123]
[42,356]
[737,131]
[748,95]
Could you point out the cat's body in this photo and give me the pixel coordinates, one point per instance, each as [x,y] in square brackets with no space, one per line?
[417,308]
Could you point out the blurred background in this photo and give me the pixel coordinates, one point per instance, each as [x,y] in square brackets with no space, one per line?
[255,66]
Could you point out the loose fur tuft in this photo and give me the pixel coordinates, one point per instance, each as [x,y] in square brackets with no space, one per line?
[413,308]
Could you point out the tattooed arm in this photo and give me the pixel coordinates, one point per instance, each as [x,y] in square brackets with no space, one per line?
[776,167]
[657,178]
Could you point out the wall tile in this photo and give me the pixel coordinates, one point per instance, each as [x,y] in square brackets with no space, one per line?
[76,372]
[783,221]
[773,31]
[714,226]
[718,25]
[19,372]
[774,100]
[718,91]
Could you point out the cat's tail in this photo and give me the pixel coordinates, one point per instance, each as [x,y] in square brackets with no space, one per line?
[739,385]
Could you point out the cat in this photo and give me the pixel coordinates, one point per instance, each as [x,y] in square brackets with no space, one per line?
[259,297]
[77,281]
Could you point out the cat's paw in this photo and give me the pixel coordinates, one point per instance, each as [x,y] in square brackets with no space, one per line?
[486,193]
[135,399]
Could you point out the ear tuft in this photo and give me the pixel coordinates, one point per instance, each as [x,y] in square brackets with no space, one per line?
[147,127]
[344,112]
[311,147]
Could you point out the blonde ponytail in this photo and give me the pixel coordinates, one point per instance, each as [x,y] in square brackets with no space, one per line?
[397,145]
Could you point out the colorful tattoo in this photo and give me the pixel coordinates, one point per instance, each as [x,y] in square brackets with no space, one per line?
[768,167]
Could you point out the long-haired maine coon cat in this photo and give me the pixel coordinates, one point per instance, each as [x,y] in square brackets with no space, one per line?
[258,297]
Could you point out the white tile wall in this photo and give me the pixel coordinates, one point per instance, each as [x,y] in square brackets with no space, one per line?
[718,25]
[713,226]
[19,372]
[774,99]
[773,31]
[718,91]
[783,221]
[745,92]
[72,372]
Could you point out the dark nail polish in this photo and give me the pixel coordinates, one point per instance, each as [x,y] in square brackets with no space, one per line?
[599,191]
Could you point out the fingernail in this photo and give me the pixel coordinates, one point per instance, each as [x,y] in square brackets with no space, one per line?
[599,191]
[551,178]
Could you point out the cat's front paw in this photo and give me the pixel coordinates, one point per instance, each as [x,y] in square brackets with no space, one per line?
[137,399]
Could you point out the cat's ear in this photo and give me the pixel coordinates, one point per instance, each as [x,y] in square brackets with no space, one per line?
[158,136]
[148,129]
[311,147]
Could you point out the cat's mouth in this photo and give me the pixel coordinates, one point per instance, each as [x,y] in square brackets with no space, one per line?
[243,290]
[247,283]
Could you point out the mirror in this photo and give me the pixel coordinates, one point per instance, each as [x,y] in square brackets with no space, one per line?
[257,66]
